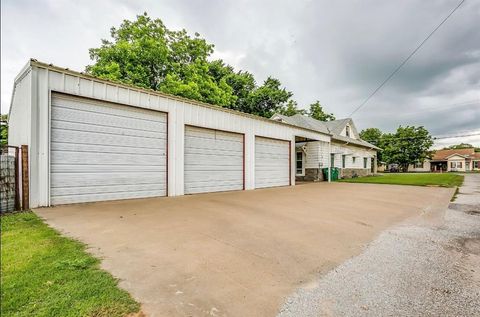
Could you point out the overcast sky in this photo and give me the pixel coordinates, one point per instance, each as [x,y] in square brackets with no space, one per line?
[336,52]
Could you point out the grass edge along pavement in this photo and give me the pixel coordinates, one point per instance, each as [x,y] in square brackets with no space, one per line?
[414,179]
[46,274]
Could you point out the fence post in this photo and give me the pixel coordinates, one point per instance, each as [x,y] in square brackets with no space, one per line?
[17,179]
[25,179]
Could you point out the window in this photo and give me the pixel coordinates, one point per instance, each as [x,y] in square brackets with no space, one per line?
[456,164]
[353,159]
[299,170]
[365,162]
[343,160]
[476,164]
[347,130]
[332,160]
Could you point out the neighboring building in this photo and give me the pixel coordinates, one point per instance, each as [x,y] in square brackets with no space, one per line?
[455,160]
[349,153]
[424,166]
[91,139]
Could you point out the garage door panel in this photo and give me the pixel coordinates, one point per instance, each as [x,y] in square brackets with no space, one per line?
[61,146]
[99,168]
[85,137]
[212,150]
[213,160]
[265,183]
[209,144]
[72,199]
[89,127]
[103,151]
[220,159]
[209,188]
[86,117]
[205,133]
[214,167]
[106,158]
[272,162]
[111,109]
[204,176]
[60,180]
[69,191]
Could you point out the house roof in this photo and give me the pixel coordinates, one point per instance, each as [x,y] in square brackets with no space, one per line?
[334,127]
[306,122]
[443,155]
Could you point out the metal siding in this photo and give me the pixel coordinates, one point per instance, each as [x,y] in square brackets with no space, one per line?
[181,112]
[104,151]
[213,160]
[272,162]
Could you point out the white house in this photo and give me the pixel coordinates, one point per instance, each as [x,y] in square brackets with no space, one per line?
[346,151]
[91,139]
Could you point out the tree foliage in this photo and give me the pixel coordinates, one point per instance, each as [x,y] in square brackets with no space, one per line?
[408,145]
[316,112]
[291,109]
[375,137]
[459,146]
[3,129]
[144,52]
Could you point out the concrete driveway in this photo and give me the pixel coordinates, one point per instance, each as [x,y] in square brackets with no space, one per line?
[237,253]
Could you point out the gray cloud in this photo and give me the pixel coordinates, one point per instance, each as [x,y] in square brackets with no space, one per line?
[333,51]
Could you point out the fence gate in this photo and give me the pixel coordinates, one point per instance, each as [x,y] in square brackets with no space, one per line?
[13,178]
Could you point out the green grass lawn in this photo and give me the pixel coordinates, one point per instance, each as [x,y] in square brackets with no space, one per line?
[45,274]
[418,179]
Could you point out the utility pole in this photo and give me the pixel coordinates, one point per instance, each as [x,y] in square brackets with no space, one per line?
[329,162]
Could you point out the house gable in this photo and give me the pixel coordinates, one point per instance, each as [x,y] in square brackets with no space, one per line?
[456,157]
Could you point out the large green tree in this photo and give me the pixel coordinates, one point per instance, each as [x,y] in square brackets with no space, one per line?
[144,52]
[147,54]
[408,145]
[315,110]
[375,137]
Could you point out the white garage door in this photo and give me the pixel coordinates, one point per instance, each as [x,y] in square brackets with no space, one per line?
[272,162]
[213,160]
[104,151]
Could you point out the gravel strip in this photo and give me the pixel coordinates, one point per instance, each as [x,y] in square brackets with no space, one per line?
[409,270]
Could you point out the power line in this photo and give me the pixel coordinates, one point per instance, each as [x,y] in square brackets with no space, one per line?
[456,136]
[424,137]
[406,59]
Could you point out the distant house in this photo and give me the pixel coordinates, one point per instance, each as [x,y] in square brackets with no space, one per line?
[454,160]
[352,155]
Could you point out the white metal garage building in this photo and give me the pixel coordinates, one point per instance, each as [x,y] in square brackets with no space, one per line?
[93,140]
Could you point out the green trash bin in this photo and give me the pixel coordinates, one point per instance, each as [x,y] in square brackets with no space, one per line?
[334,173]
